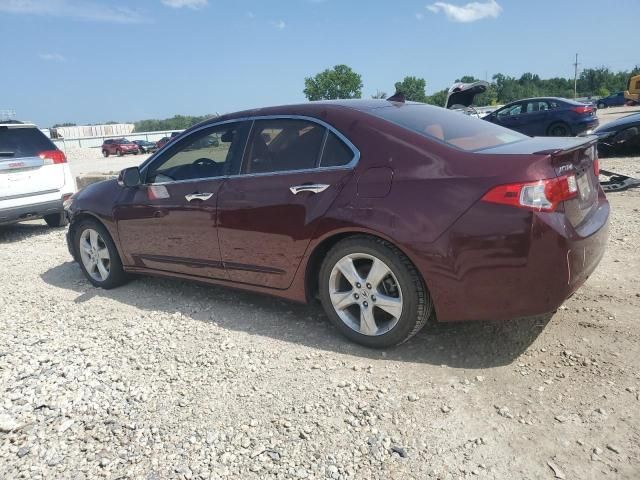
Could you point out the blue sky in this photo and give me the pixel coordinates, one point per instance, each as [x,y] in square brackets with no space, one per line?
[97,60]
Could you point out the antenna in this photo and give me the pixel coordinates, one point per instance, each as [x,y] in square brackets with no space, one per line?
[575,77]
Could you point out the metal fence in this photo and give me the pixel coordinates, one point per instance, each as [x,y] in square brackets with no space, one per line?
[96,142]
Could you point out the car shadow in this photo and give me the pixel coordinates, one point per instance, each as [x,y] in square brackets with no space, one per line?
[16,232]
[469,345]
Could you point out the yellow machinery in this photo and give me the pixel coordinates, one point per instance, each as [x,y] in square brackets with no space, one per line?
[633,89]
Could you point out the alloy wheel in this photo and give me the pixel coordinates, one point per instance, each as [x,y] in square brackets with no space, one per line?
[95,255]
[365,294]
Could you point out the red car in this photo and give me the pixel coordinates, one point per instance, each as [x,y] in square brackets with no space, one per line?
[391,213]
[119,147]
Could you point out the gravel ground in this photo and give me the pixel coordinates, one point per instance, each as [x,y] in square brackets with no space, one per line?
[168,379]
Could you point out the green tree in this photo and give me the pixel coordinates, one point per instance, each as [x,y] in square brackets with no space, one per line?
[339,82]
[438,98]
[177,122]
[379,94]
[413,89]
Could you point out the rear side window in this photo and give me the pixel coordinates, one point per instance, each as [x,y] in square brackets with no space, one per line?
[336,153]
[282,145]
[453,128]
[23,142]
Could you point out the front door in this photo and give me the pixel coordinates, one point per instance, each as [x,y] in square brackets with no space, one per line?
[292,172]
[170,222]
[510,117]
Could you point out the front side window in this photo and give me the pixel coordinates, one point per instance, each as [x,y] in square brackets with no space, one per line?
[204,154]
[511,111]
[282,145]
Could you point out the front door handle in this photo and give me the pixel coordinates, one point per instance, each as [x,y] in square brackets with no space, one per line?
[198,196]
[309,187]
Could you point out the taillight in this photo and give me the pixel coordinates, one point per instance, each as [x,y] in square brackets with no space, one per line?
[583,109]
[51,157]
[544,195]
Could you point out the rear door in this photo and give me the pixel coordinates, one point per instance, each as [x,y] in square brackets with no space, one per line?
[535,117]
[170,223]
[292,171]
[22,172]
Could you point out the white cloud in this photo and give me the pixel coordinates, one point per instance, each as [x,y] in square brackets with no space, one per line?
[52,57]
[470,12]
[280,25]
[88,10]
[193,4]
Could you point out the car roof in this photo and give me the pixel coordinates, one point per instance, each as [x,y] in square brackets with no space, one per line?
[17,124]
[315,109]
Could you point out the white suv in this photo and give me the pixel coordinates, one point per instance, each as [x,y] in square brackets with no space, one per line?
[35,178]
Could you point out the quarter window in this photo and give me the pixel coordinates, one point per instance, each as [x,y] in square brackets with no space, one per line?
[335,153]
[205,154]
[282,145]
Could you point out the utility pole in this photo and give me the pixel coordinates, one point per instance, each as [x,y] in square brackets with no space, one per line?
[575,77]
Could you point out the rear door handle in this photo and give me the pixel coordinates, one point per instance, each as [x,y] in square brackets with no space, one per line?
[198,196]
[309,187]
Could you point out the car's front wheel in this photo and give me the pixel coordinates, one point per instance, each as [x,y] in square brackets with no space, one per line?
[98,256]
[119,152]
[373,293]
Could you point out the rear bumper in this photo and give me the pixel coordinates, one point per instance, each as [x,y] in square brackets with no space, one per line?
[584,125]
[29,212]
[501,263]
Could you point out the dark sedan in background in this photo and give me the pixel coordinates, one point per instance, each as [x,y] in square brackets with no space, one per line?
[615,100]
[554,117]
[620,137]
[390,212]
[145,146]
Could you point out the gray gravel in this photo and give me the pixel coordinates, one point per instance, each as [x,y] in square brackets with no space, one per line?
[167,379]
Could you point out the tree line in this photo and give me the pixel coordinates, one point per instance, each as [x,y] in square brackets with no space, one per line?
[342,82]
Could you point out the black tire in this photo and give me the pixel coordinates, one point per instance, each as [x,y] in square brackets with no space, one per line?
[416,301]
[601,106]
[136,152]
[105,153]
[117,276]
[559,130]
[56,220]
[119,152]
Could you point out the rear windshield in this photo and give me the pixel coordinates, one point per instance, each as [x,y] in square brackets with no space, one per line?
[453,128]
[23,142]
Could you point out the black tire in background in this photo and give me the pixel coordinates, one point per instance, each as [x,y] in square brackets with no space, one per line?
[559,130]
[417,305]
[105,153]
[56,220]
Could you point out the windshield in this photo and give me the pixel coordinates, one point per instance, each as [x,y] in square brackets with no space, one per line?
[453,128]
[123,140]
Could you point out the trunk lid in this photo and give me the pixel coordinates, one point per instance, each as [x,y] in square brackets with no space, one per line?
[463,94]
[567,157]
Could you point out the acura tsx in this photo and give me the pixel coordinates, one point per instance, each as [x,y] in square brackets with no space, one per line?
[389,212]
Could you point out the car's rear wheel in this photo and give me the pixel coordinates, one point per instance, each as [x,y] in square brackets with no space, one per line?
[98,256]
[56,219]
[559,130]
[602,105]
[372,292]
[105,153]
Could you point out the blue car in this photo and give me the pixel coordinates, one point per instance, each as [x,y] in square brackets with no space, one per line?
[549,116]
[615,100]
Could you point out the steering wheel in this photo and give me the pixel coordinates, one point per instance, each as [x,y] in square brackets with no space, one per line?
[205,162]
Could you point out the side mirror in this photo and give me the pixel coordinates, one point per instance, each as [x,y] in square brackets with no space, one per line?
[129,177]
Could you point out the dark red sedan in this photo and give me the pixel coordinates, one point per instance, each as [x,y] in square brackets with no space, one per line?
[391,213]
